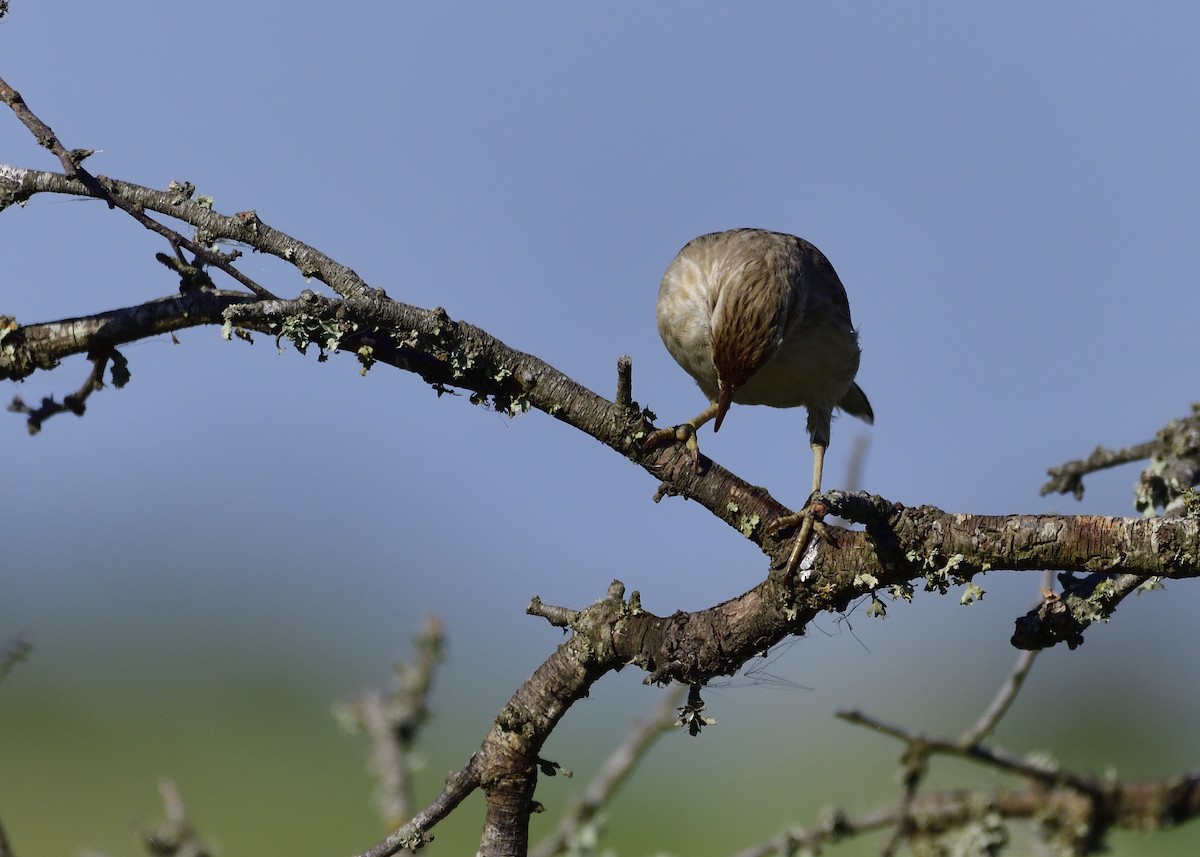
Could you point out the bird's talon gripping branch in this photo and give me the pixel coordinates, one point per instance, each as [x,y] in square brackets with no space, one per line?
[809,519]
[684,433]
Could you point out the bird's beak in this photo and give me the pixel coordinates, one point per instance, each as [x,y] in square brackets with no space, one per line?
[724,400]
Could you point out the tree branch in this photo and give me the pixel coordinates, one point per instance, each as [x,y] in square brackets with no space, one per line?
[393,720]
[1174,467]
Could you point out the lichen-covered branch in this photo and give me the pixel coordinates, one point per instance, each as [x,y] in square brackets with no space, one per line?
[1074,812]
[972,822]
[25,349]
[1174,467]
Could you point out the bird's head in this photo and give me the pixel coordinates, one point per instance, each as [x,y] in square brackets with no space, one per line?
[742,342]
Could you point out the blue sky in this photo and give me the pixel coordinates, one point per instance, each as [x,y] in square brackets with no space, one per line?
[1008,192]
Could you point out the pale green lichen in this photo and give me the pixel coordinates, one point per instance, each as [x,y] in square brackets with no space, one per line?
[366,356]
[303,329]
[745,524]
[971,594]
[866,580]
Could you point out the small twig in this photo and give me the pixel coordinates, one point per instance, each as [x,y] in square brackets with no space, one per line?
[613,773]
[1050,776]
[1008,690]
[1068,479]
[559,617]
[393,720]
[416,833]
[72,164]
[16,649]
[75,403]
[176,836]
[1174,442]
[624,397]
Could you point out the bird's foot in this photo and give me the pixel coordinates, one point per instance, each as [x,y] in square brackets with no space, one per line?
[684,433]
[810,520]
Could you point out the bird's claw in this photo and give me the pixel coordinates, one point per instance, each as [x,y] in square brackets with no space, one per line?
[810,520]
[684,433]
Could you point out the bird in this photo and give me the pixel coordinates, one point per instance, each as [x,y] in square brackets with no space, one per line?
[761,318]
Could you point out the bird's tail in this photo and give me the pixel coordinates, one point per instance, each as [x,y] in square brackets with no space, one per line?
[855,403]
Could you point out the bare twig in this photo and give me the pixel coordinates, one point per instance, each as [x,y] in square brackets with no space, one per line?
[1175,465]
[1047,775]
[72,163]
[392,722]
[15,649]
[176,836]
[1006,694]
[415,834]
[615,770]
[1068,478]
[75,403]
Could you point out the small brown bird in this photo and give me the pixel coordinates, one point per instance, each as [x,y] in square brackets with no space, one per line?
[761,318]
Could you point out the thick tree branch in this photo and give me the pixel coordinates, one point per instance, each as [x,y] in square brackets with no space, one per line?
[900,547]
[28,348]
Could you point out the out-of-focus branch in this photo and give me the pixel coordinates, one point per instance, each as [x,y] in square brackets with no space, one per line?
[976,818]
[613,773]
[1075,812]
[1006,694]
[175,836]
[15,649]
[393,720]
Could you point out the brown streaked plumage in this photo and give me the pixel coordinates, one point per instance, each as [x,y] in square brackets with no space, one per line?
[761,318]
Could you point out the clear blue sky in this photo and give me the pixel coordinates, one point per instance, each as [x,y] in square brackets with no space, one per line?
[1010,194]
